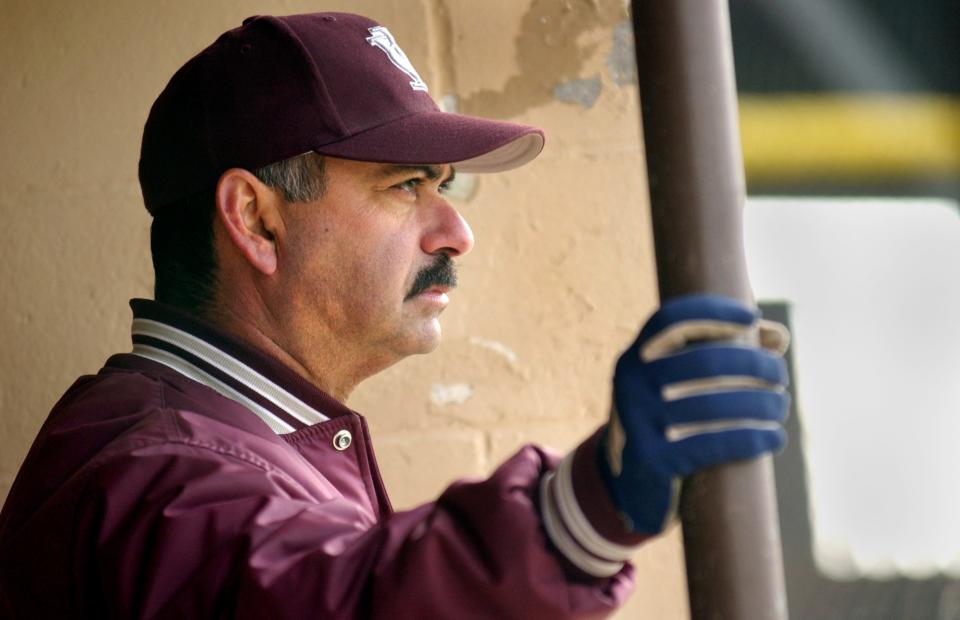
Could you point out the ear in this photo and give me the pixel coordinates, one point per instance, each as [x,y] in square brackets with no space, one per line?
[249,211]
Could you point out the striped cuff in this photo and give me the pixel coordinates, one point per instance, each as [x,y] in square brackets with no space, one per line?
[579,517]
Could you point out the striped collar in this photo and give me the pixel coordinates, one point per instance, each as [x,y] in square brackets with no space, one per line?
[280,397]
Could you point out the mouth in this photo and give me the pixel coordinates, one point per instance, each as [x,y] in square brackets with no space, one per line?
[436,290]
[434,294]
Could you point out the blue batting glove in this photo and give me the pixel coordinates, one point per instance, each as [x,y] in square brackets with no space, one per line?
[689,394]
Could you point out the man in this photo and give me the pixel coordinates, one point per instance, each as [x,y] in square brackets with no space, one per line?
[295,171]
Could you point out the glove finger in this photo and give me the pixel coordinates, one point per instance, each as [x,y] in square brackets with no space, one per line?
[692,318]
[710,449]
[768,405]
[716,361]
[774,336]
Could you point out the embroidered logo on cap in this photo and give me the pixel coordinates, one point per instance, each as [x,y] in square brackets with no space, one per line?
[381,37]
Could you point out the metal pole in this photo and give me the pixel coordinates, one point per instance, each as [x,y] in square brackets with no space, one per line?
[695,172]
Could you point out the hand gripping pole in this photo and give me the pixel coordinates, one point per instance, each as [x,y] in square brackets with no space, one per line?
[696,180]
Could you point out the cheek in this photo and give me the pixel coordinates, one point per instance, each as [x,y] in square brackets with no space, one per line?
[352,280]
[310,272]
[380,257]
[350,267]
[378,277]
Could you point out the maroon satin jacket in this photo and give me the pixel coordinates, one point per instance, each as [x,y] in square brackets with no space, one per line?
[197,477]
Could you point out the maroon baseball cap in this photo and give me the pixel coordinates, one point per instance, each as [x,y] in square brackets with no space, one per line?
[334,83]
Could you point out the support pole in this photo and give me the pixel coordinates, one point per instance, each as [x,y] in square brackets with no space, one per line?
[695,171]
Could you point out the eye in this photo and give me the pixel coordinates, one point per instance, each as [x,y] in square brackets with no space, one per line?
[445,186]
[410,185]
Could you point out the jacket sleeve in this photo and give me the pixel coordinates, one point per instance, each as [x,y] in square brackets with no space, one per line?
[184,530]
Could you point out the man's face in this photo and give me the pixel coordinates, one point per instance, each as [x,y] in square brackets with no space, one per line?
[366,267]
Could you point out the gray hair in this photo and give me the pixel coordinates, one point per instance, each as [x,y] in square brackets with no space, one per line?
[300,178]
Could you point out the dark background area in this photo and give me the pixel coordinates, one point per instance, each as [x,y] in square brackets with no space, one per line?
[870,48]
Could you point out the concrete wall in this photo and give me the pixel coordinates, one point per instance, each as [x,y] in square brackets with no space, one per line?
[561,277]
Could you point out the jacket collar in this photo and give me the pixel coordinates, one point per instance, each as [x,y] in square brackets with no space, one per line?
[283,399]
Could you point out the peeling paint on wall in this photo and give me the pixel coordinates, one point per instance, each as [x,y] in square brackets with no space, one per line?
[449,103]
[622,61]
[497,347]
[450,393]
[548,52]
[581,92]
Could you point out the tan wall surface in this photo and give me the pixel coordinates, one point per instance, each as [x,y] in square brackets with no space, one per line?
[561,277]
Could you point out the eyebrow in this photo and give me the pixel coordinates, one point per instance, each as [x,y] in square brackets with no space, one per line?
[432,173]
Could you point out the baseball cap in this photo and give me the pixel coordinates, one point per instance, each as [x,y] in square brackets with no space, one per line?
[334,83]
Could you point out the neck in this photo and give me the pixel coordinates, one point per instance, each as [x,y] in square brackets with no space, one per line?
[252,323]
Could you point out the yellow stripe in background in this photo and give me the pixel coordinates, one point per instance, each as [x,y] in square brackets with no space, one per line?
[853,138]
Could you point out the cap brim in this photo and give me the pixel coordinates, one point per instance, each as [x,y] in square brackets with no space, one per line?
[469,143]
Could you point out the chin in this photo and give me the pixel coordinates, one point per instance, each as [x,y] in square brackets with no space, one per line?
[427,339]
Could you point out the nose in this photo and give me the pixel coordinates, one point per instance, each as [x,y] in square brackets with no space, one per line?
[447,233]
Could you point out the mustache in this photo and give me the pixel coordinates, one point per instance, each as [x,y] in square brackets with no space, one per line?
[441,273]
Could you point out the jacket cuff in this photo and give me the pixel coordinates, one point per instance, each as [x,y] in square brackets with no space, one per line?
[580,518]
